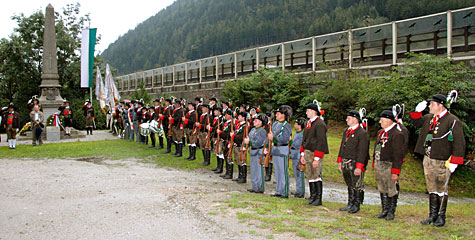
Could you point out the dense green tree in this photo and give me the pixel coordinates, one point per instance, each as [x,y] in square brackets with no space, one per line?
[21,57]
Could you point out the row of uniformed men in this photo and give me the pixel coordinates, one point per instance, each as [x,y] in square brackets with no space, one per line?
[441,141]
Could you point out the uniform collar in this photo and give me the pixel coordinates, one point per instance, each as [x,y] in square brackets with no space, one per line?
[442,114]
[354,127]
[313,119]
[390,127]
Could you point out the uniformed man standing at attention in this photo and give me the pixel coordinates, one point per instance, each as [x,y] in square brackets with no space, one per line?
[353,158]
[89,114]
[164,116]
[177,128]
[296,143]
[256,140]
[314,147]
[238,149]
[204,134]
[442,143]
[225,136]
[67,113]
[280,137]
[387,160]
[189,121]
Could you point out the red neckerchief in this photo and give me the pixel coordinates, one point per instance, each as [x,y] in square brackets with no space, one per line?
[309,123]
[435,120]
[350,131]
[382,135]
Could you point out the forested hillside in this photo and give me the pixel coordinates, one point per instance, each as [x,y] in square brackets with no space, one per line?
[191,29]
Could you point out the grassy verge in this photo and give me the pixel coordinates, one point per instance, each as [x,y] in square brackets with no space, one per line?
[295,216]
[462,182]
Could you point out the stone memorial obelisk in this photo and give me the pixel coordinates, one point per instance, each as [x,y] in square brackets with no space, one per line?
[50,89]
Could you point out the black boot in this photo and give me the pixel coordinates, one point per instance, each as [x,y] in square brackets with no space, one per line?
[219,169]
[193,153]
[384,206]
[169,145]
[176,149]
[440,221]
[239,174]
[179,149]
[227,170]
[160,139]
[313,192]
[268,172]
[229,175]
[434,206]
[362,196]
[244,174]
[207,156]
[152,138]
[356,201]
[392,207]
[190,153]
[351,198]
[217,164]
[319,190]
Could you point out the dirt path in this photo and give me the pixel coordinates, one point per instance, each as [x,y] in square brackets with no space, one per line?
[96,199]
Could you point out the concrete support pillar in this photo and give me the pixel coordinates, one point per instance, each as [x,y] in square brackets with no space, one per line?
[201,71]
[282,46]
[449,34]
[314,54]
[258,56]
[174,76]
[235,66]
[186,74]
[350,48]
[394,27]
[217,68]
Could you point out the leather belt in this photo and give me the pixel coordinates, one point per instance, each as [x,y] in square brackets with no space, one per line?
[292,148]
[281,145]
[257,148]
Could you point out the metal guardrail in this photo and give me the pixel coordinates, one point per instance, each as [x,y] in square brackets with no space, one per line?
[450,33]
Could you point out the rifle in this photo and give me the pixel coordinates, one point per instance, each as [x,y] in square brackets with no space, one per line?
[208,136]
[183,124]
[169,122]
[267,159]
[230,151]
[216,150]
[243,154]
[194,133]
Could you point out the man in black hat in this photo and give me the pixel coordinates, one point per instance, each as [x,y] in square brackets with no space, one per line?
[216,125]
[314,147]
[88,111]
[204,134]
[189,121]
[256,140]
[164,116]
[388,155]
[442,143]
[11,122]
[239,148]
[67,113]
[280,137]
[225,137]
[213,102]
[269,167]
[177,128]
[138,137]
[353,158]
[156,111]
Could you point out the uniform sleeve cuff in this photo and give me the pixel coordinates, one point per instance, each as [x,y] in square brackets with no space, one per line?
[456,160]
[318,154]
[200,126]
[415,115]
[403,161]
[372,165]
[302,149]
[395,171]
[360,166]
[186,121]
[339,159]
[210,129]
[162,117]
[173,121]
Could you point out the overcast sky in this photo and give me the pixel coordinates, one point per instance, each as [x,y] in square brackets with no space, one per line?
[111,18]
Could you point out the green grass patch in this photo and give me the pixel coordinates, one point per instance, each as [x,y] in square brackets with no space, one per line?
[295,216]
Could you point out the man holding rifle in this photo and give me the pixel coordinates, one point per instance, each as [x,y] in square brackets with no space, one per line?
[225,136]
[280,136]
[204,134]
[238,149]
[256,140]
[189,120]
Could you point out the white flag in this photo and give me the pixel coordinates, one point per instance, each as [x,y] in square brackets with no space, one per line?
[100,93]
[112,93]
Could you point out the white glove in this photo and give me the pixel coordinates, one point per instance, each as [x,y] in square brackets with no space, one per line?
[453,167]
[421,106]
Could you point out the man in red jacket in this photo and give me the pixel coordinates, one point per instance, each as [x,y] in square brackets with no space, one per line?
[11,122]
